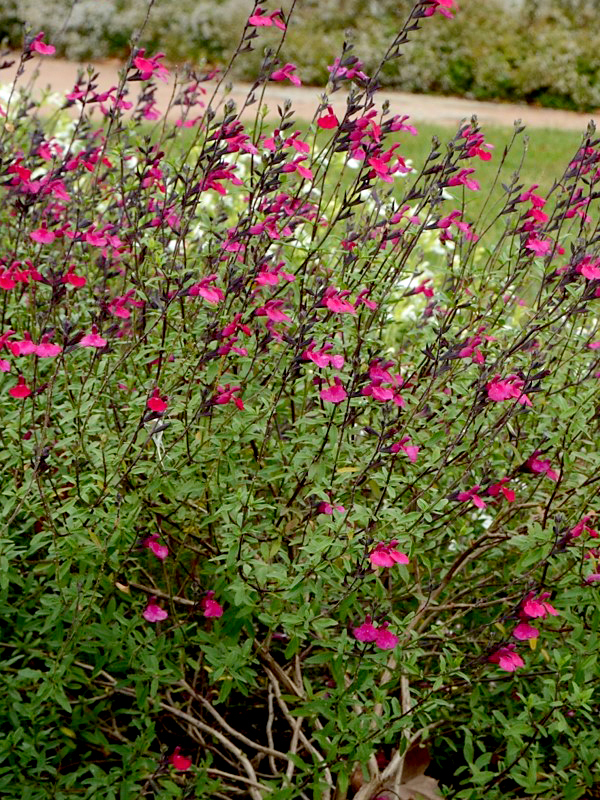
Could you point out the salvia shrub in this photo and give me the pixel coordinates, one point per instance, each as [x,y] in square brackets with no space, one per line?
[299,454]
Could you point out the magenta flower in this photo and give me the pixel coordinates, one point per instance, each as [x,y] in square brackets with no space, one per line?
[153,612]
[335,301]
[386,555]
[210,607]
[328,120]
[525,631]
[212,294]
[501,389]
[161,551]
[46,349]
[38,46]
[21,389]
[287,73]
[541,466]
[42,236]
[148,67]
[507,659]
[539,247]
[156,402]
[179,762]
[260,20]
[367,632]
[496,488]
[328,508]
[539,608]
[93,339]
[411,450]
[472,494]
[335,393]
[445,7]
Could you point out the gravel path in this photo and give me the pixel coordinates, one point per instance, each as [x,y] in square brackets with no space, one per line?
[60,76]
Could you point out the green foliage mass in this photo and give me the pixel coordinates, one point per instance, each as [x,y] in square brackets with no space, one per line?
[283,360]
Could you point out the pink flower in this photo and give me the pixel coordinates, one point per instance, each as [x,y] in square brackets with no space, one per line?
[179,762]
[507,659]
[225,394]
[210,607]
[385,640]
[539,608]
[38,46]
[463,179]
[539,247]
[45,349]
[335,301]
[287,73]
[386,555]
[444,7]
[156,402]
[327,508]
[150,66]
[42,236]
[525,631]
[212,294]
[471,494]
[335,393]
[161,551]
[496,488]
[540,466]
[501,389]
[21,389]
[153,612]
[367,632]
[328,120]
[258,19]
[411,450]
[93,339]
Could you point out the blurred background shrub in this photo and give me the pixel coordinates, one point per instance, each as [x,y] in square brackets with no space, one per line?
[535,51]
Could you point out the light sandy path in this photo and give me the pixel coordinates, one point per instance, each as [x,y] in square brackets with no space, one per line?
[60,75]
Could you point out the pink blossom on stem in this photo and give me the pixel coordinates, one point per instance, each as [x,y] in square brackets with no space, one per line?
[149,67]
[336,301]
[538,608]
[462,179]
[286,73]
[210,607]
[38,46]
[472,494]
[496,488]
[212,294]
[156,402]
[445,7]
[21,389]
[153,612]
[501,389]
[161,551]
[328,508]
[328,120]
[260,20]
[179,762]
[225,394]
[365,632]
[411,450]
[334,394]
[539,247]
[386,555]
[507,659]
[42,236]
[93,339]
[540,466]
[525,631]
